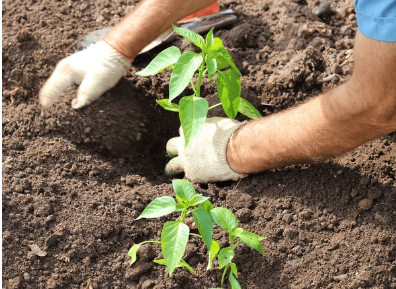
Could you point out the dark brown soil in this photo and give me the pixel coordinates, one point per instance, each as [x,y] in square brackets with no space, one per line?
[74,181]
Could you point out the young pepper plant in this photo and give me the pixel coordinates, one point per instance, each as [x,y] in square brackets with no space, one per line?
[213,60]
[175,234]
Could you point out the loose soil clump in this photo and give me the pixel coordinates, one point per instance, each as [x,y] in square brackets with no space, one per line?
[74,181]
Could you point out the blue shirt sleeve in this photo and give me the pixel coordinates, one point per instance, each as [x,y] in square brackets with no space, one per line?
[377,19]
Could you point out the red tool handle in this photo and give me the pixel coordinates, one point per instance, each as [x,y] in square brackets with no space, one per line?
[214,8]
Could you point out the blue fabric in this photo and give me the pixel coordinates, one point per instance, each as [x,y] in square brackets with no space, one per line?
[377,19]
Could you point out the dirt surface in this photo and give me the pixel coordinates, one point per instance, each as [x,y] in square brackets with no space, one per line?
[74,181]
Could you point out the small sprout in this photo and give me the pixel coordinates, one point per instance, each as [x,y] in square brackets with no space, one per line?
[175,234]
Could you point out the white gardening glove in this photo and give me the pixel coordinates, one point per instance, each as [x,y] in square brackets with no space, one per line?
[98,68]
[204,160]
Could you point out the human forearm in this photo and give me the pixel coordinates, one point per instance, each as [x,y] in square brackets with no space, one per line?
[302,135]
[328,125]
[149,19]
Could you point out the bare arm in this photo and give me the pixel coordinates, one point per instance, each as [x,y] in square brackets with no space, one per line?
[147,21]
[331,124]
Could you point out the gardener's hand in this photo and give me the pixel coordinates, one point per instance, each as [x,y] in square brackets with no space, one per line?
[204,160]
[97,68]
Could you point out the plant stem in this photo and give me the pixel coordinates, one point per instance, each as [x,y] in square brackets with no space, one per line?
[193,87]
[201,73]
[223,276]
[196,235]
[151,241]
[183,215]
[213,106]
[232,239]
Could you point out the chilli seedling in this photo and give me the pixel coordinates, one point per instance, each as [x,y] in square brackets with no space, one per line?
[175,234]
[214,60]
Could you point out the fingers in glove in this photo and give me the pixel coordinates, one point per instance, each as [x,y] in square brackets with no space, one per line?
[62,77]
[93,86]
[173,145]
[174,167]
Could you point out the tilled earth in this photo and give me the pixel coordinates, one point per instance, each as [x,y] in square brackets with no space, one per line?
[74,181]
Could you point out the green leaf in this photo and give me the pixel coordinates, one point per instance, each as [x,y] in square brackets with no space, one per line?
[182,263]
[229,90]
[167,105]
[214,249]
[159,207]
[221,62]
[174,239]
[162,61]
[197,199]
[211,63]
[203,220]
[193,111]
[132,252]
[237,232]
[207,206]
[181,206]
[188,267]
[252,240]
[184,190]
[225,219]
[216,52]
[234,283]
[225,257]
[182,73]
[223,52]
[160,261]
[234,269]
[217,44]
[190,35]
[246,108]
[209,39]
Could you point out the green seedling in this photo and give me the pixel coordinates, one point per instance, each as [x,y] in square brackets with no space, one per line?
[213,60]
[228,222]
[175,234]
